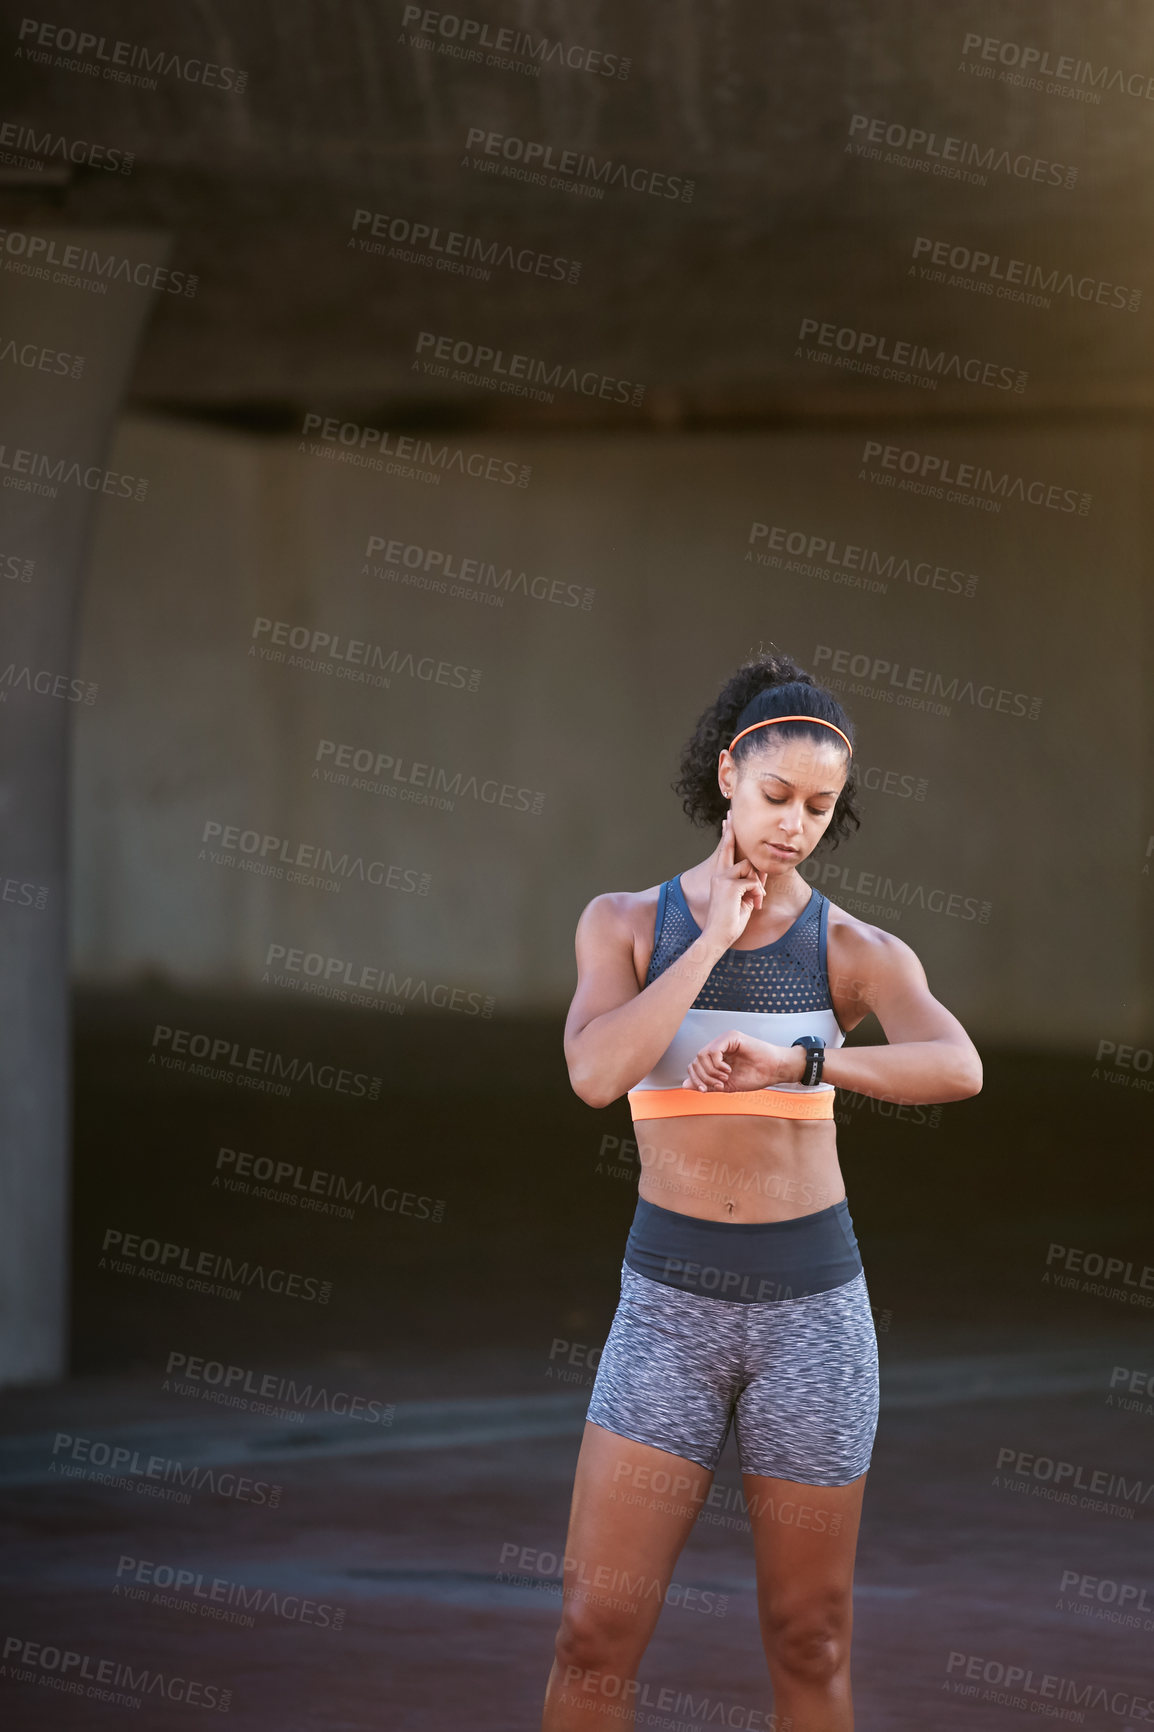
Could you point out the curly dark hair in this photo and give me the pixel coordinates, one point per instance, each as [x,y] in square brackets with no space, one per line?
[767,685]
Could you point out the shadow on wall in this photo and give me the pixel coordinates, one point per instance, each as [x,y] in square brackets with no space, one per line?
[437,1193]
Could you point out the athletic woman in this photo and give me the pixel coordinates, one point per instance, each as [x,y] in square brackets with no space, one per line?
[718,1003]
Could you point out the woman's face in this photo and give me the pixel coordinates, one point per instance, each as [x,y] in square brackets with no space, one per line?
[781,799]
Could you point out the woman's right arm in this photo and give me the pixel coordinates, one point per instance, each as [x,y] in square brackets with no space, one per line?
[615,1031]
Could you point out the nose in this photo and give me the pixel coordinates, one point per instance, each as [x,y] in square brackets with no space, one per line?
[791,821]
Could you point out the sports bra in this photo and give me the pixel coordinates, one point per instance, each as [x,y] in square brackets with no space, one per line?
[775,993]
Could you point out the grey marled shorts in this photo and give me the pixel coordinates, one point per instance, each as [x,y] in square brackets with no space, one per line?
[797,1378]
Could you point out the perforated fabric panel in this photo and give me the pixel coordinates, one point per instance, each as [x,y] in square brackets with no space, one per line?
[786,976]
[676,935]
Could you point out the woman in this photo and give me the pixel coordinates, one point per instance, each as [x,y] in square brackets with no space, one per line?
[719,1002]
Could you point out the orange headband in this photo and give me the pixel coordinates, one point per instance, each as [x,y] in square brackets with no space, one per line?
[770,719]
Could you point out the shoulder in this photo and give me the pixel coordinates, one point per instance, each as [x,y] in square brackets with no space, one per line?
[618,927]
[858,937]
[863,957]
[619,913]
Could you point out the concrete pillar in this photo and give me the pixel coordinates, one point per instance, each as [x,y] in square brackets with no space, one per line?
[57,419]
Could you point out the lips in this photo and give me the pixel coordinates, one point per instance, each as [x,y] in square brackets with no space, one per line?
[780,848]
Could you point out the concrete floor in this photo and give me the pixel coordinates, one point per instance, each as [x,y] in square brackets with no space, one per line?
[406,1535]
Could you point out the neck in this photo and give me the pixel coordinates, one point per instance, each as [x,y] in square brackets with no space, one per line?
[781,882]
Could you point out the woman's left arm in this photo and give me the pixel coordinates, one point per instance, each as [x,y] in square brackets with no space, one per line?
[929,1058]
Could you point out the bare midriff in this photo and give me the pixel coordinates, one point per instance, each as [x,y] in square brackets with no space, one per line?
[739,1167]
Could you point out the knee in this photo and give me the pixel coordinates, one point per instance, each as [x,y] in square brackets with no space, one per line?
[589,1641]
[809,1643]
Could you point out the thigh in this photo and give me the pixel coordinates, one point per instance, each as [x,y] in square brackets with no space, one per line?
[810,1408]
[805,1542]
[658,1417]
[633,1509]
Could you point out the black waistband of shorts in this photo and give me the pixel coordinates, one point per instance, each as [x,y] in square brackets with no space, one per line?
[747,1262]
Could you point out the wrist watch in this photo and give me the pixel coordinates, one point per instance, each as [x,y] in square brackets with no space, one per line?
[814,1057]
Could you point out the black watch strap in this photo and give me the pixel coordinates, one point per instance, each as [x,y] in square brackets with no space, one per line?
[814,1057]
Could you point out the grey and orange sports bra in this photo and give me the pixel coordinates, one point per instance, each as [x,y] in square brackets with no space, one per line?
[775,993]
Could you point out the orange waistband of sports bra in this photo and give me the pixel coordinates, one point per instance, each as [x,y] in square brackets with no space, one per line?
[768,1102]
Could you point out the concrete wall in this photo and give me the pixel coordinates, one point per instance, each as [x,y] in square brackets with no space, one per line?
[588,706]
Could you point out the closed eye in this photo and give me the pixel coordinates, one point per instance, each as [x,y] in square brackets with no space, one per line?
[815,811]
